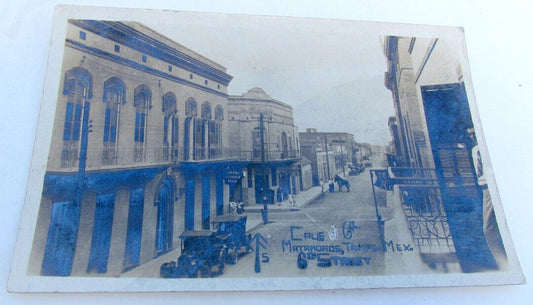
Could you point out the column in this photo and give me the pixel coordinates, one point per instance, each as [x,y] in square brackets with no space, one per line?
[220,193]
[189,201]
[206,199]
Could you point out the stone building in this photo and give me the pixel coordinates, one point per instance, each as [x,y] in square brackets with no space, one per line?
[266,141]
[138,152]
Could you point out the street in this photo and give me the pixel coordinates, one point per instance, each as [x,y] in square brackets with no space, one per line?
[335,235]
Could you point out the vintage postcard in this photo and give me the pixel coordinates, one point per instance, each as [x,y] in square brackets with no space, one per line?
[181,151]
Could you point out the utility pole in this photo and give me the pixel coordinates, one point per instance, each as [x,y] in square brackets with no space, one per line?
[341,142]
[85,129]
[263,176]
[327,157]
[342,162]
[379,220]
[83,149]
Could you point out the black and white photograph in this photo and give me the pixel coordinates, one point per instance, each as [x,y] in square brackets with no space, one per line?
[190,151]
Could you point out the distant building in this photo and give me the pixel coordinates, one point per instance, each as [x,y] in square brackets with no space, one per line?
[267,141]
[329,152]
[395,148]
[307,173]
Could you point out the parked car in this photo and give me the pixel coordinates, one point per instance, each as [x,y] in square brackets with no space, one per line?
[202,255]
[356,169]
[238,242]
[204,252]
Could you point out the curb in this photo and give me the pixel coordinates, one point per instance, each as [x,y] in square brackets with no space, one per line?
[277,210]
[283,209]
[258,210]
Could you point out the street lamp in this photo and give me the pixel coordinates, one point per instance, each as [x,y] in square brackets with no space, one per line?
[327,157]
[264,187]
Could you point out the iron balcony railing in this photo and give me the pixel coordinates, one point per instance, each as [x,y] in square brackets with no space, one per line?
[413,173]
[421,202]
[139,155]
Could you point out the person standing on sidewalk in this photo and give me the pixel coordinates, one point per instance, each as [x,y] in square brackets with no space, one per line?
[292,201]
[490,226]
[232,206]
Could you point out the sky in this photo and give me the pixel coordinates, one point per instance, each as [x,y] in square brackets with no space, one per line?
[311,64]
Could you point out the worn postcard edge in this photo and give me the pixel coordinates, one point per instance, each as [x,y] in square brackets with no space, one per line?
[19,281]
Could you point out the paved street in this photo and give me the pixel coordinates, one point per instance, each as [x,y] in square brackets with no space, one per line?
[333,234]
[336,234]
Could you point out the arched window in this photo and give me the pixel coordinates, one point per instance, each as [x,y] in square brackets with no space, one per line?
[206,111]
[284,146]
[78,89]
[142,102]
[190,116]
[291,147]
[81,74]
[114,97]
[216,145]
[256,143]
[190,107]
[219,113]
[202,133]
[170,127]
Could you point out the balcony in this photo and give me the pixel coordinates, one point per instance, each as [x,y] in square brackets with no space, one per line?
[270,156]
[103,158]
[418,192]
[401,175]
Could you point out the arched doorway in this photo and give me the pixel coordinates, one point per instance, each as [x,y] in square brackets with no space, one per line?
[165,216]
[170,127]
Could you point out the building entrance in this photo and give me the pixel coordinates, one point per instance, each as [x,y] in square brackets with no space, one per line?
[61,242]
[263,194]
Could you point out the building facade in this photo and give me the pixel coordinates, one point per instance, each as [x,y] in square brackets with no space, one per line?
[307,173]
[138,152]
[431,142]
[329,152]
[266,141]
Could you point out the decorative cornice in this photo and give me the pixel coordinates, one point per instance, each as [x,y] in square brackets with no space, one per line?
[134,39]
[132,64]
[237,99]
[428,55]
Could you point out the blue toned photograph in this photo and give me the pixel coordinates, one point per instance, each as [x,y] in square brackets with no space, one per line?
[192,151]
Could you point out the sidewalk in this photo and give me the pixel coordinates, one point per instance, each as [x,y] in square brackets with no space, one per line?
[397,230]
[253,211]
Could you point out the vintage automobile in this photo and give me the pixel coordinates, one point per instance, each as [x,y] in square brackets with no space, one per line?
[238,242]
[202,255]
[356,169]
[204,252]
